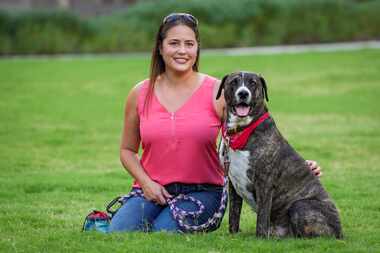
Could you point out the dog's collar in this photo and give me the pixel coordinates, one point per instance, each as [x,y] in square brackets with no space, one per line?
[239,140]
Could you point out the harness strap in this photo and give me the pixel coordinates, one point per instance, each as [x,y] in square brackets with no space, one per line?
[239,139]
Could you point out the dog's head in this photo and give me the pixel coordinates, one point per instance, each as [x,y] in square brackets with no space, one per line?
[245,94]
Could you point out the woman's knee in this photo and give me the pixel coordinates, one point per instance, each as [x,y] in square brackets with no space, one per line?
[165,222]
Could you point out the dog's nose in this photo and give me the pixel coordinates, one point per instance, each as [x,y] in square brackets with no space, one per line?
[243,94]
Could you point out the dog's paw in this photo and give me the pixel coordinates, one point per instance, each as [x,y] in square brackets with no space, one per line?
[234,230]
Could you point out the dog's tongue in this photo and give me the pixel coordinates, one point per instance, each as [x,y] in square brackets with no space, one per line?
[242,110]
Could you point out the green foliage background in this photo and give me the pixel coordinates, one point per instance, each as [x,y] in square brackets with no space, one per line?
[223,23]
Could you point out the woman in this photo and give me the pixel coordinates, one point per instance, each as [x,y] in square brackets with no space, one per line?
[175,116]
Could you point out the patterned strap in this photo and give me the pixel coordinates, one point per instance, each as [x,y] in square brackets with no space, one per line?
[180,215]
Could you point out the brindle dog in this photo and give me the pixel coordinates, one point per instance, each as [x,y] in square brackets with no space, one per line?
[268,173]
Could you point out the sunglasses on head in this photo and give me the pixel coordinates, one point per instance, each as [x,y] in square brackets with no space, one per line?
[176,16]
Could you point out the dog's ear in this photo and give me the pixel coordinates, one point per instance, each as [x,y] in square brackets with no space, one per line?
[221,87]
[264,88]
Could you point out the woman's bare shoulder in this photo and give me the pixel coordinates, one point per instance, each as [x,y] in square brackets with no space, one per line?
[139,85]
[133,94]
[137,88]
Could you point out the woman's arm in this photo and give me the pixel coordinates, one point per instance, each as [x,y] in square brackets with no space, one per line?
[130,141]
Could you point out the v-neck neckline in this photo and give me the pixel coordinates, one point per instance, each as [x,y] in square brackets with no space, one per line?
[185,102]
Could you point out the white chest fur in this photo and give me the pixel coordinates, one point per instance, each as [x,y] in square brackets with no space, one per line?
[235,121]
[238,173]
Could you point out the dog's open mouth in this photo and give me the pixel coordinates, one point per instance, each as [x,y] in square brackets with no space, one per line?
[242,110]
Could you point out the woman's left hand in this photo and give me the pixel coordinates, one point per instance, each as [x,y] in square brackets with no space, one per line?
[314,167]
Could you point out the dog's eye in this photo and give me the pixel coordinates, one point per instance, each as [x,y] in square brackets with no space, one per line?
[236,82]
[230,86]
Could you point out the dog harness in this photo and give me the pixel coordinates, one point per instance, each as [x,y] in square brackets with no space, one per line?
[239,140]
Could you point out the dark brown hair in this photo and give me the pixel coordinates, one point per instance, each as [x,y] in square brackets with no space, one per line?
[157,66]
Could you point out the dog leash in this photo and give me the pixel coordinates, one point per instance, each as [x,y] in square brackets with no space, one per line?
[226,155]
[179,214]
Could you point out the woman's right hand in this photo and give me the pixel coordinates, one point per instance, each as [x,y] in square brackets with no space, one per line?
[155,192]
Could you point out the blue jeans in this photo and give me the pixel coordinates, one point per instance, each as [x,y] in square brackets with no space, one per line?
[140,214]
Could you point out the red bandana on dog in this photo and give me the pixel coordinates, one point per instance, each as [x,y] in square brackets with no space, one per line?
[238,140]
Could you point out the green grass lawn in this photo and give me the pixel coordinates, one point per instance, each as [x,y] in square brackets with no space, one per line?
[60,123]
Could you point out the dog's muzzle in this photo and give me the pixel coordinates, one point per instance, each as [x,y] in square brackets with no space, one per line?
[243,99]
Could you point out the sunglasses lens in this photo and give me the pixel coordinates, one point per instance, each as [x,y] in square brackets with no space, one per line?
[176,16]
[170,18]
[193,19]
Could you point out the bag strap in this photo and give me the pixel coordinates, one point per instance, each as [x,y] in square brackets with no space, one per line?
[113,202]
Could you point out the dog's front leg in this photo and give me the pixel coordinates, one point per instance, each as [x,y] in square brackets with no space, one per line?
[264,205]
[235,209]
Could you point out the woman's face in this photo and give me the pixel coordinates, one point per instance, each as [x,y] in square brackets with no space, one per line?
[179,49]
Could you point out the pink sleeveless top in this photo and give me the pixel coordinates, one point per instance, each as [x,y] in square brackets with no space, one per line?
[180,147]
